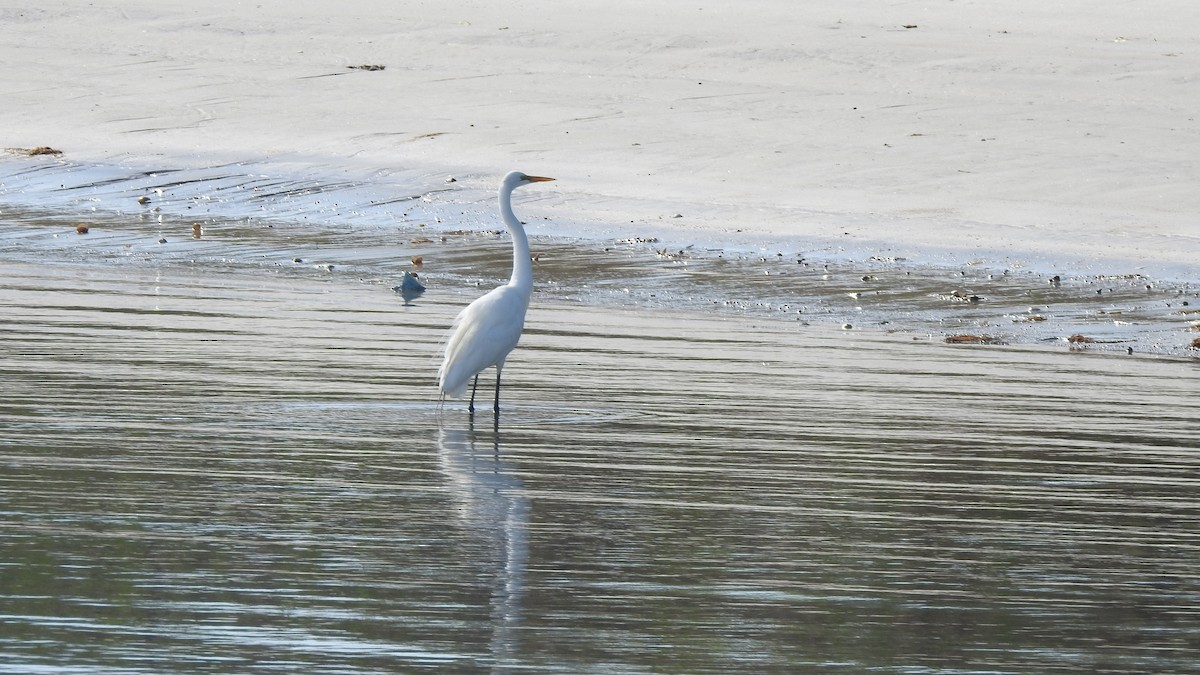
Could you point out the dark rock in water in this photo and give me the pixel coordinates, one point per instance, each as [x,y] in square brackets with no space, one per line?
[409,287]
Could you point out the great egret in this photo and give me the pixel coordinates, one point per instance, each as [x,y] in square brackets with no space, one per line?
[488,329]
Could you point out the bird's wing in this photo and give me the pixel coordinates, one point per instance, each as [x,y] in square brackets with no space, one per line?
[484,333]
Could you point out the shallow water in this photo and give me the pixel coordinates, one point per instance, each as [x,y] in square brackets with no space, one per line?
[239,464]
[298,215]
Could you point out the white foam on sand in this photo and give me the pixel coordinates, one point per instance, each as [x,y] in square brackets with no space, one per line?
[1058,134]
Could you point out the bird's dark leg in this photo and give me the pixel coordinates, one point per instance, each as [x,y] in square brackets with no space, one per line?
[471,405]
[496,405]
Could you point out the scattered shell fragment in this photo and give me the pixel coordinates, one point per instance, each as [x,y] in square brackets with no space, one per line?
[1078,339]
[81,229]
[143,200]
[962,296]
[197,230]
[967,339]
[417,260]
[33,152]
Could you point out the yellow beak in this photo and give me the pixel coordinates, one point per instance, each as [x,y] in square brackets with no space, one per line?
[537,179]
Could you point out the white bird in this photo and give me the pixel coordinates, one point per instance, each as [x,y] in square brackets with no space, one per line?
[489,328]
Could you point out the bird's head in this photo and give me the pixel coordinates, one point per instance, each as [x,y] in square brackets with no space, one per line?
[517,179]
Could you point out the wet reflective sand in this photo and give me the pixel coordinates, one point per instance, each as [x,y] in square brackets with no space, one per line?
[297,216]
[245,470]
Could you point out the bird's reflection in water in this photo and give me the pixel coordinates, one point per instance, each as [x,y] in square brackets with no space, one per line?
[495,515]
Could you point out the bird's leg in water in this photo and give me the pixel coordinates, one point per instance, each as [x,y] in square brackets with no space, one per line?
[471,405]
[496,405]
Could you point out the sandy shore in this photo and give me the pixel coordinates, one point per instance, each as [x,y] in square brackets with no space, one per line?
[1060,135]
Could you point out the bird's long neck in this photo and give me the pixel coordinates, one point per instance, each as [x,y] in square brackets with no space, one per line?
[522,273]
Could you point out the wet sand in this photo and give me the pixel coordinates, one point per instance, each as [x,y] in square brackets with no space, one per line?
[219,220]
[244,466]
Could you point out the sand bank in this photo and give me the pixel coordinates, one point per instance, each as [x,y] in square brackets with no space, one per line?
[1060,135]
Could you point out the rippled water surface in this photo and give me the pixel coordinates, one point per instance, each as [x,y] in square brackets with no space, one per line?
[207,468]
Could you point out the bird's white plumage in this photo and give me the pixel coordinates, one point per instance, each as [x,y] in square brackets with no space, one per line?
[484,333]
[490,327]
